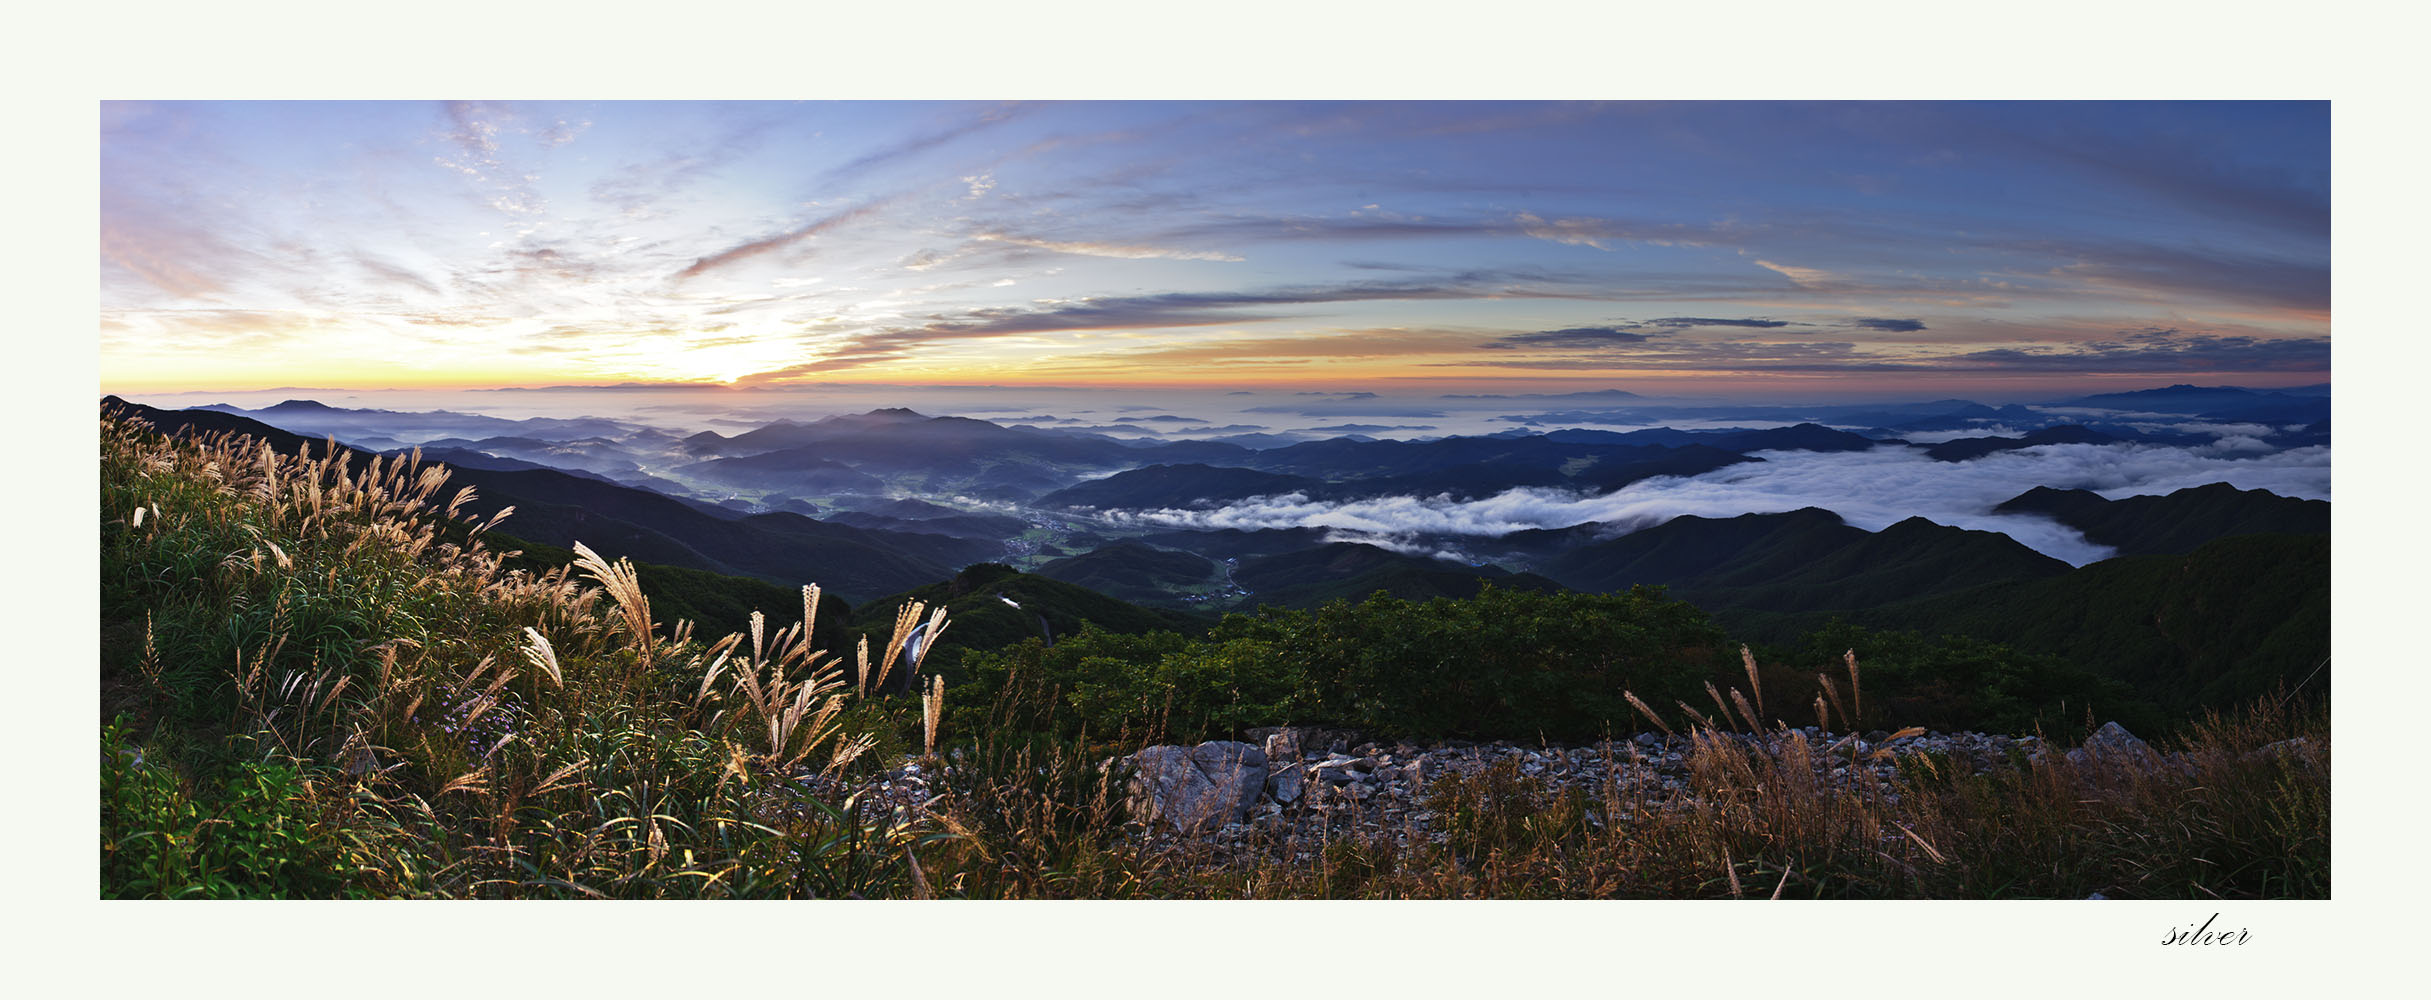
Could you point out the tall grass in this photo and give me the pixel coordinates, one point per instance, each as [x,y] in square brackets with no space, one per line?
[310,690]
[292,646]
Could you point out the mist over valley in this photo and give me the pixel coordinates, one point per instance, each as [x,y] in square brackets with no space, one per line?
[1521,497]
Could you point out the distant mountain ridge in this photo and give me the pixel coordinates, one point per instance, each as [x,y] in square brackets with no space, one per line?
[2306,404]
[560,508]
[2177,523]
[1157,487]
[1800,560]
[1133,571]
[1962,449]
[1354,570]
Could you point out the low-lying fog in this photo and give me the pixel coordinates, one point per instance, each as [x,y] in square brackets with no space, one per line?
[1870,489]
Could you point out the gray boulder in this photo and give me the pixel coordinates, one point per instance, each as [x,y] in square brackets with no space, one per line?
[1197,789]
[2114,742]
[1285,783]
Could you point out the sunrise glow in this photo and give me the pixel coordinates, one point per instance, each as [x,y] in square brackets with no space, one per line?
[1731,248]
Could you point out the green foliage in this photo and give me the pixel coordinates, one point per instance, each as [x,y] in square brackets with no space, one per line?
[1351,571]
[1500,810]
[715,603]
[975,599]
[1037,806]
[244,830]
[342,698]
[2213,629]
[1960,683]
[315,692]
[1505,663]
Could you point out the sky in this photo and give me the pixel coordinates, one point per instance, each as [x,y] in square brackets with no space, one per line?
[2080,49]
[1688,250]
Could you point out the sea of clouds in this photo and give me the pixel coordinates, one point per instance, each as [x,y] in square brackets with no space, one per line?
[1870,489]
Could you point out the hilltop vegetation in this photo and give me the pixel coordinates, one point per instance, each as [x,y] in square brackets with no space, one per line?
[309,691]
[321,678]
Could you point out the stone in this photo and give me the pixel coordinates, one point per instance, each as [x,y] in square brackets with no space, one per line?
[2114,742]
[1339,769]
[1197,789]
[2299,748]
[1284,744]
[1284,784]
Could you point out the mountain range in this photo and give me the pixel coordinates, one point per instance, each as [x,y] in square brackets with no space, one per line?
[891,501]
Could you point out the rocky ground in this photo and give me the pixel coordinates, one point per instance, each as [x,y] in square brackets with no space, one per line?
[1298,788]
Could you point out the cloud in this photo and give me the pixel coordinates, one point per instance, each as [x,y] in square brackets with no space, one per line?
[389,271]
[635,188]
[1575,232]
[1362,428]
[1803,277]
[1691,355]
[1890,325]
[1165,310]
[2168,352]
[1696,321]
[2161,351]
[916,145]
[1871,490]
[473,127]
[1585,336]
[1624,333]
[183,261]
[2151,270]
[1097,249]
[779,241]
[1352,408]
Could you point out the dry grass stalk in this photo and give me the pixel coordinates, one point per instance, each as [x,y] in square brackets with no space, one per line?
[1856,692]
[624,587]
[1920,842]
[907,618]
[1721,708]
[1647,712]
[1754,683]
[1754,724]
[932,708]
[540,654]
[861,667]
[1837,705]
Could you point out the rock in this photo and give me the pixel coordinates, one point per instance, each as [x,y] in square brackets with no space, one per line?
[1284,744]
[1339,769]
[2299,749]
[1196,789]
[1284,784]
[2114,742]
